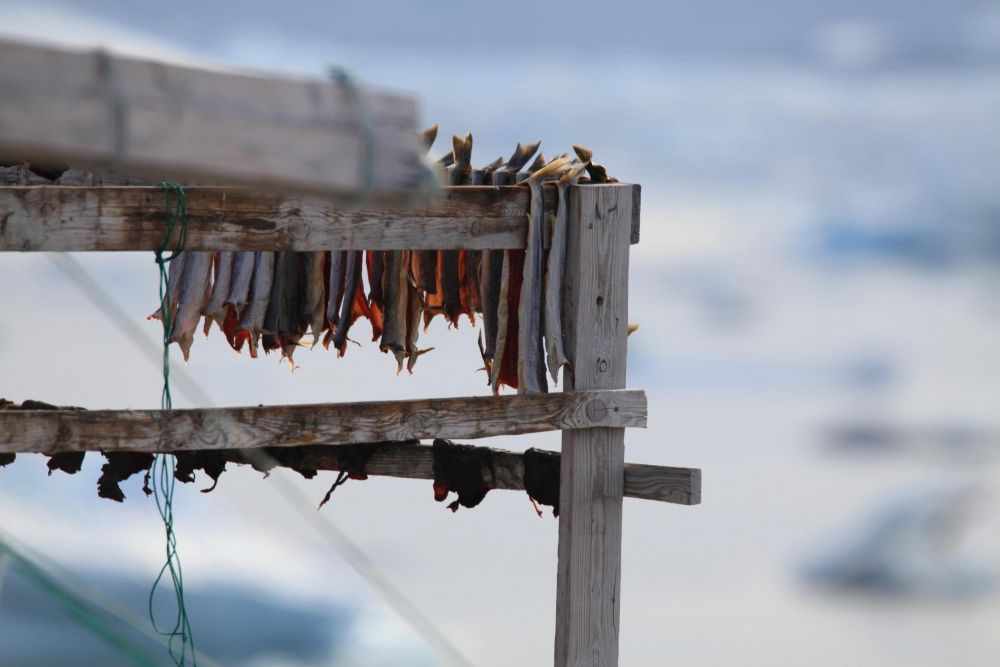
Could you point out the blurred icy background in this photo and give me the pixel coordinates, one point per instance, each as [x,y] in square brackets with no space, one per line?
[818,288]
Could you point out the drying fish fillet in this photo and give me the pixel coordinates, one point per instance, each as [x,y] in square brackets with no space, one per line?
[505,361]
[450,282]
[495,281]
[193,292]
[175,268]
[335,288]
[215,310]
[314,267]
[282,320]
[375,267]
[252,321]
[531,362]
[354,304]
[396,299]
[239,281]
[555,353]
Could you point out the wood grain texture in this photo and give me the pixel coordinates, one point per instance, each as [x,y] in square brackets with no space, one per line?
[56,218]
[131,218]
[331,424]
[595,322]
[180,122]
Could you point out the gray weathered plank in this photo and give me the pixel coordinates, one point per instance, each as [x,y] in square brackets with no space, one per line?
[55,218]
[182,122]
[49,431]
[595,321]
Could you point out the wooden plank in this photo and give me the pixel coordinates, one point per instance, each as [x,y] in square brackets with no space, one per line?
[410,460]
[181,122]
[595,321]
[50,431]
[55,218]
[680,486]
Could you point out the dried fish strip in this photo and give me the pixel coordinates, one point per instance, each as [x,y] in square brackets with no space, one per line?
[530,361]
[396,301]
[193,292]
[555,353]
[252,321]
[215,309]
[313,317]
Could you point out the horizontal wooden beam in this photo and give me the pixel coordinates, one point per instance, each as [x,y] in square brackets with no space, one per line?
[52,431]
[681,486]
[182,123]
[57,218]
[411,460]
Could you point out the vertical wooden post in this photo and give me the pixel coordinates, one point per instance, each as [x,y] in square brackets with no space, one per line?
[595,321]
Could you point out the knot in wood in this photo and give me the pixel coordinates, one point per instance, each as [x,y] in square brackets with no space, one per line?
[602,365]
[475,229]
[597,410]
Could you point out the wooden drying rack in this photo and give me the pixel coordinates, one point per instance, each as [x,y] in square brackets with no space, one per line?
[592,412]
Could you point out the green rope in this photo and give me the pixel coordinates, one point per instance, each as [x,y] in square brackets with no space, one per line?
[162,473]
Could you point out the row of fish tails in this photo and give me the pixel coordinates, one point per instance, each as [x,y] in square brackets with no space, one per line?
[270,300]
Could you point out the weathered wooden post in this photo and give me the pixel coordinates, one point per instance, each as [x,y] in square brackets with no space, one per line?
[595,317]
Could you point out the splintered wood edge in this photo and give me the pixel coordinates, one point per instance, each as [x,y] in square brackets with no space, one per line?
[131,218]
[51,431]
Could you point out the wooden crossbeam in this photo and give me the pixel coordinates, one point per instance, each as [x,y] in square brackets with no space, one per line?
[51,431]
[70,218]
[411,460]
[182,122]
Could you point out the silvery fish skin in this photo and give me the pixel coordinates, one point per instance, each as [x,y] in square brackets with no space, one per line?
[530,362]
[314,299]
[175,269]
[555,354]
[414,306]
[335,287]
[352,283]
[215,310]
[281,322]
[531,357]
[239,281]
[252,321]
[195,286]
[495,278]
[396,296]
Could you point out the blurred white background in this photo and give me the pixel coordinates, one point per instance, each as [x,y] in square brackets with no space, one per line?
[817,289]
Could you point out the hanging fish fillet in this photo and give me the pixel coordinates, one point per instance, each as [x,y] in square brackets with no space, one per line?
[396,299]
[375,265]
[354,304]
[505,361]
[555,354]
[239,281]
[491,270]
[175,268]
[283,318]
[194,290]
[215,309]
[425,262]
[414,306]
[531,360]
[252,321]
[335,289]
[313,317]
[450,285]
